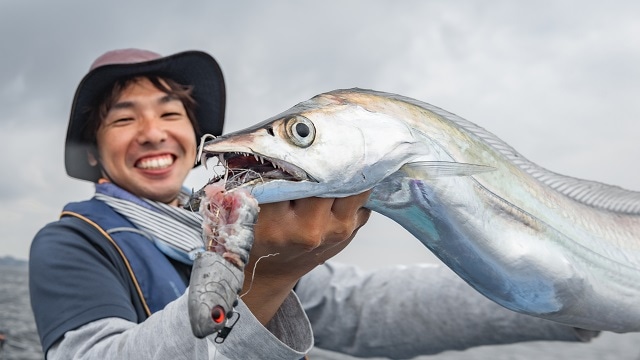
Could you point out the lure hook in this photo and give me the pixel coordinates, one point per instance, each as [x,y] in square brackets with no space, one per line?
[203,139]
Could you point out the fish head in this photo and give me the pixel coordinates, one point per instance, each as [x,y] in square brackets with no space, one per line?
[327,146]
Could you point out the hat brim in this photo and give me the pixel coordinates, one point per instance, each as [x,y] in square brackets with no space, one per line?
[194,68]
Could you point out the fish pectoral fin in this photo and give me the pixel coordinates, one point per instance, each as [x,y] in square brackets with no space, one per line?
[436,169]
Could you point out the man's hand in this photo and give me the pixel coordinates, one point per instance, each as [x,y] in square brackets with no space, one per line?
[303,233]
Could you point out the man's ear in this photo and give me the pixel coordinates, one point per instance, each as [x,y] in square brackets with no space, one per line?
[91,158]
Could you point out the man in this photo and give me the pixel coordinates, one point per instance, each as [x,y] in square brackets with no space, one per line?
[108,279]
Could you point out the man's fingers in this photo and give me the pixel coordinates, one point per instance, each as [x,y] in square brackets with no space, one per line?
[343,208]
[311,223]
[313,209]
[350,215]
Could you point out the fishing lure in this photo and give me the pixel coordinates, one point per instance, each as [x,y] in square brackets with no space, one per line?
[218,272]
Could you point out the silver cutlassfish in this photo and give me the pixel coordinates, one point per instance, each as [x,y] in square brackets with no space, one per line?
[534,241]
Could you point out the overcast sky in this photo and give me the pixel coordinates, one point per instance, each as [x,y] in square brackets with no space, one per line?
[557,80]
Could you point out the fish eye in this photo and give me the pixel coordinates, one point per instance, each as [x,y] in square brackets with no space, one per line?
[300,130]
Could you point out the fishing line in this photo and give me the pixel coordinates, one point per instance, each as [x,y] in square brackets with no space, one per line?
[240,176]
[253,272]
[226,175]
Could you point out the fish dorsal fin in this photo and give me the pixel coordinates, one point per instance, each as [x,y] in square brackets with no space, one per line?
[591,193]
[436,169]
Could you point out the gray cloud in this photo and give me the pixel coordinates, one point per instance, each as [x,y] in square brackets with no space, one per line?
[557,80]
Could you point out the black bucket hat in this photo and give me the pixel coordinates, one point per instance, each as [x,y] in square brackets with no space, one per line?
[194,68]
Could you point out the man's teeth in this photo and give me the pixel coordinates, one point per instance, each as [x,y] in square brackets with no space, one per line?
[156,162]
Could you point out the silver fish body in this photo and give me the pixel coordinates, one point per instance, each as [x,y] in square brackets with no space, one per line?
[534,241]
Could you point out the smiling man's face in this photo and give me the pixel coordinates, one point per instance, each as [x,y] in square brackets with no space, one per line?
[146,142]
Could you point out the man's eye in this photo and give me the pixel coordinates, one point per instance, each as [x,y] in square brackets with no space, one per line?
[172,115]
[122,121]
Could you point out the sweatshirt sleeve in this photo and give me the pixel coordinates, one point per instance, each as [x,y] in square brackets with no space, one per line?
[167,335]
[406,311]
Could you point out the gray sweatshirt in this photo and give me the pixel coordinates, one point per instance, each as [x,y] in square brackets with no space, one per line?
[398,312]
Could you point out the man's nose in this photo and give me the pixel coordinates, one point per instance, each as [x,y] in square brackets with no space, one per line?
[151,130]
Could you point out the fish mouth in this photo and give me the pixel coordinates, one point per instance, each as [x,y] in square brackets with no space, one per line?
[244,169]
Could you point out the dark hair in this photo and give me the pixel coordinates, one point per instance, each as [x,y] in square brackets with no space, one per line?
[103,103]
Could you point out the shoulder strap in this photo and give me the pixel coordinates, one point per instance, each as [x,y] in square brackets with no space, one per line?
[98,238]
